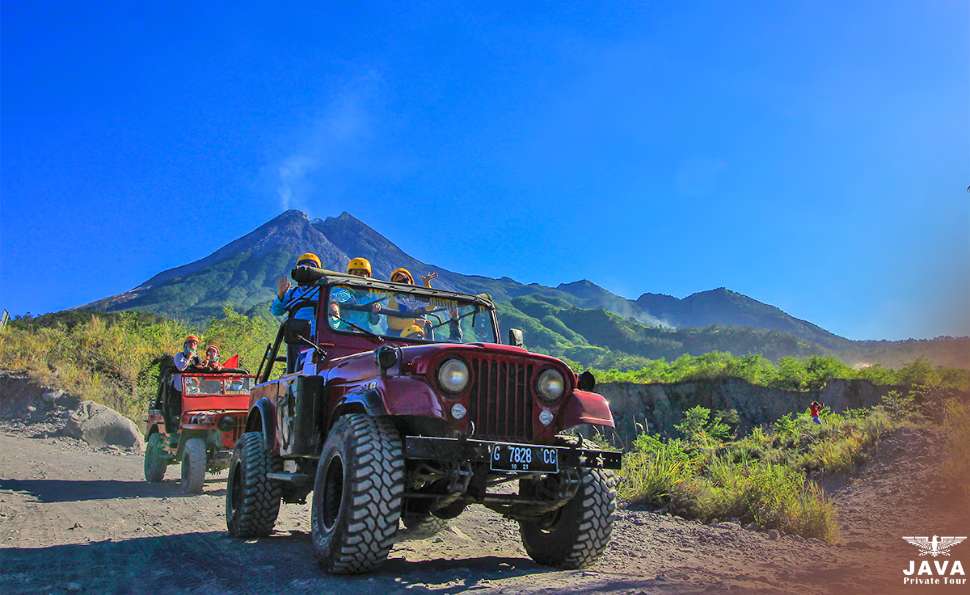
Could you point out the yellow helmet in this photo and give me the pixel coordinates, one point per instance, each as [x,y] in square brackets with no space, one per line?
[413,332]
[359,264]
[309,256]
[403,271]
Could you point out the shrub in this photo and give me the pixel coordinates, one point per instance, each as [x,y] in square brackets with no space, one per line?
[650,475]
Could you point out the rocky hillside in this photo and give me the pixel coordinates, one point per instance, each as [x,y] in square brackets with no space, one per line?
[655,408]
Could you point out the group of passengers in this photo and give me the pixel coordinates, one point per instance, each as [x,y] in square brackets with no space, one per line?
[349,310]
[187,360]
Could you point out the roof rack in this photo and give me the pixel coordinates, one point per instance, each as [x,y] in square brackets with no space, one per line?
[325,277]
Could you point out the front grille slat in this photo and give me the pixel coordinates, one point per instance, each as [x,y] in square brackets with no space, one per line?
[501,399]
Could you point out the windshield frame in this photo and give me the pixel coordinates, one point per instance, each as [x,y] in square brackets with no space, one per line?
[327,283]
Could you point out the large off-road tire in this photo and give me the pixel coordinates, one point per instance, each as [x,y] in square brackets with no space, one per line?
[422,525]
[193,466]
[252,499]
[156,459]
[357,494]
[576,534]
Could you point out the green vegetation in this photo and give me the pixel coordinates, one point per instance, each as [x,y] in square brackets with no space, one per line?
[706,473]
[789,373]
[114,358]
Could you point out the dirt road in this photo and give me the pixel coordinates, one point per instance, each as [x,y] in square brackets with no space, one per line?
[75,519]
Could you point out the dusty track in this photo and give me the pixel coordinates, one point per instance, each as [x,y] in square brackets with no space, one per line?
[76,519]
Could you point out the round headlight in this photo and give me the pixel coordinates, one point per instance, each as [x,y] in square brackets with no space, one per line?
[551,385]
[453,375]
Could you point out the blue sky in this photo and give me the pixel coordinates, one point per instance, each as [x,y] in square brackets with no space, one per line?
[812,155]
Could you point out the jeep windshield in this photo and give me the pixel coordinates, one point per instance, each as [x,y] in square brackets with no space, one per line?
[202,385]
[406,316]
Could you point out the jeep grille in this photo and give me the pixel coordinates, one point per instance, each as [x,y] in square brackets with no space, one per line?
[501,400]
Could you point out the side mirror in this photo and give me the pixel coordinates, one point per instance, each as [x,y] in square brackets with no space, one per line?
[293,329]
[516,337]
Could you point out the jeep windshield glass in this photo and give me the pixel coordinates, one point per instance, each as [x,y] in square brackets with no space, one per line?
[400,315]
[194,385]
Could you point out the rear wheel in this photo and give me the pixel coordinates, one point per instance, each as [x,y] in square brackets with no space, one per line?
[357,494]
[575,535]
[156,459]
[252,499]
[193,466]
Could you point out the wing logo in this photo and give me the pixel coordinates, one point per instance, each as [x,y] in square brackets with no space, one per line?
[934,546]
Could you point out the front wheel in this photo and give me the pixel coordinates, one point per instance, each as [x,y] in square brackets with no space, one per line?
[193,466]
[156,459]
[575,535]
[252,499]
[357,494]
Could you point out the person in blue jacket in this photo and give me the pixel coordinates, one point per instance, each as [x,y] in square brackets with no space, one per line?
[288,298]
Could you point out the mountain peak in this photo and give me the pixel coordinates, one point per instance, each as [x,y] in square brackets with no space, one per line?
[290,215]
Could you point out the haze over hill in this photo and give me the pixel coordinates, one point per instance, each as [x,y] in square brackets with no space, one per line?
[578,320]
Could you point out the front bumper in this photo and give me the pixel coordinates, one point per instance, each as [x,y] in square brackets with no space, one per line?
[477,451]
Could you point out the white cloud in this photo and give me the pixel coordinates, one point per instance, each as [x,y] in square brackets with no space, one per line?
[329,145]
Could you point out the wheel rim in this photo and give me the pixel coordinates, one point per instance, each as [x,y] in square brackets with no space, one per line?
[333,490]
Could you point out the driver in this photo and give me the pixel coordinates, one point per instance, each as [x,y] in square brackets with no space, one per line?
[350,307]
[288,298]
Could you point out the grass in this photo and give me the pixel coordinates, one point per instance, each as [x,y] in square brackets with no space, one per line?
[114,359]
[762,478]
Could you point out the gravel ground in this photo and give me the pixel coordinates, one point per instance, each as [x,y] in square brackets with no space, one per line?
[76,519]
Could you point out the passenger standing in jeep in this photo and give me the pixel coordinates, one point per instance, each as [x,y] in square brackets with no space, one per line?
[294,300]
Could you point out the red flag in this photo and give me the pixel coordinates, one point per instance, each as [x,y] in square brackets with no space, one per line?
[232,362]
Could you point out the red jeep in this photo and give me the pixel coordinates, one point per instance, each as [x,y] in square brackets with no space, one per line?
[198,427]
[403,406]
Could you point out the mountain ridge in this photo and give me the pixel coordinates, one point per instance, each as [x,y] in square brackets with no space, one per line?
[562,320]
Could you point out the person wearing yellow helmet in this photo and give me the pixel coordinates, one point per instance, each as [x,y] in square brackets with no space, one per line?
[359,267]
[413,332]
[403,304]
[298,301]
[402,275]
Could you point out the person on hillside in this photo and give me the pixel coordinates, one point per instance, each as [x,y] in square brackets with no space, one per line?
[212,358]
[815,409]
[298,301]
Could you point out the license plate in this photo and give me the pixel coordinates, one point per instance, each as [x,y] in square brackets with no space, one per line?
[524,459]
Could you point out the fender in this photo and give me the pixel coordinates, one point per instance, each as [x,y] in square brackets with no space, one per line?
[587,408]
[261,415]
[367,401]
